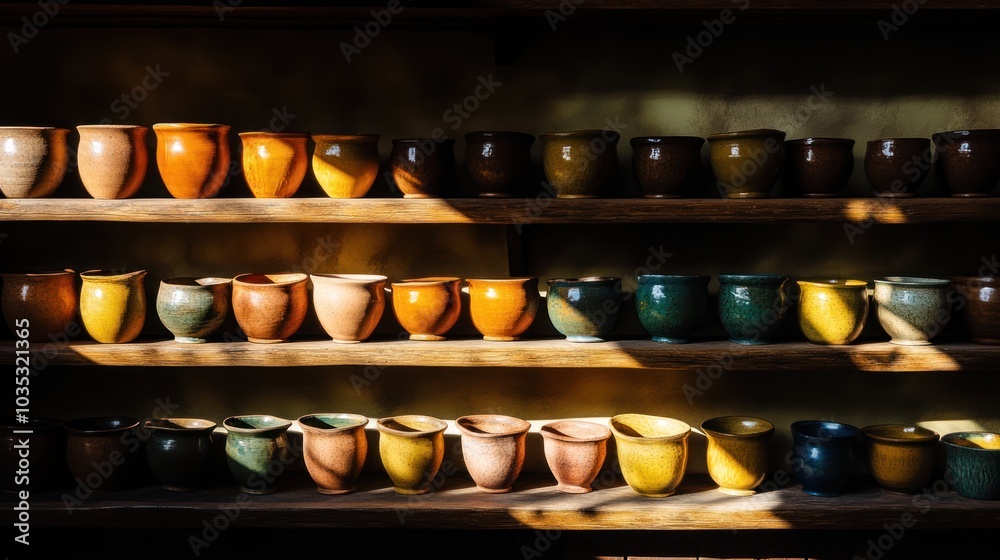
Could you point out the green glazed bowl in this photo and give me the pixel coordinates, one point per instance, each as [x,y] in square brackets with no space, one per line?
[257,451]
[584,309]
[972,462]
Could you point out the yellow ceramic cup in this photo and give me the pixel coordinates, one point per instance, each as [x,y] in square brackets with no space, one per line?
[412,448]
[113,305]
[652,452]
[900,458]
[737,452]
[833,311]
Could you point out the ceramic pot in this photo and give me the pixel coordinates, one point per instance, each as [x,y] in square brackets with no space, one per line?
[493,449]
[912,310]
[270,307]
[423,167]
[179,451]
[335,448]
[46,455]
[112,159]
[667,166]
[671,307]
[257,451]
[575,451]
[193,159]
[274,163]
[412,449]
[832,311]
[968,161]
[747,163]
[113,305]
[900,458]
[752,307]
[503,308]
[972,464]
[652,452]
[584,309]
[33,160]
[818,167]
[104,453]
[345,165]
[498,162]
[193,309]
[580,164]
[427,307]
[824,455]
[737,452]
[349,306]
[979,307]
[893,166]
[48,300]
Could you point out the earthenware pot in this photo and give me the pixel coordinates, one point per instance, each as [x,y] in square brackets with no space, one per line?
[575,451]
[257,451]
[979,306]
[335,447]
[423,167]
[747,163]
[498,162]
[193,309]
[912,310]
[900,458]
[832,311]
[412,449]
[427,308]
[43,458]
[584,309]
[193,159]
[113,305]
[48,300]
[972,463]
[270,307]
[112,159]
[671,307]
[667,166]
[968,161]
[104,453]
[493,449]
[824,455]
[818,167]
[349,306]
[33,160]
[503,308]
[179,451]
[652,452]
[896,167]
[738,452]
[274,163]
[345,165]
[580,164]
[752,307]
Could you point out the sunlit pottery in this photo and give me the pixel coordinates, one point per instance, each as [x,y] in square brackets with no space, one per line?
[193,159]
[584,309]
[412,449]
[193,309]
[345,165]
[274,163]
[270,307]
[334,446]
[112,159]
[752,307]
[493,447]
[912,310]
[349,306]
[972,464]
[503,308]
[738,450]
[427,307]
[33,160]
[652,452]
[833,311]
[113,305]
[257,451]
[575,451]
[48,301]
[899,457]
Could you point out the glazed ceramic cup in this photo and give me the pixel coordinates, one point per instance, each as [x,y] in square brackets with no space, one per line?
[493,449]
[349,306]
[584,309]
[979,306]
[498,162]
[179,451]
[752,307]
[900,458]
[113,305]
[738,452]
[832,311]
[824,455]
[580,164]
[112,159]
[503,308]
[575,451]
[912,310]
[274,163]
[747,163]
[48,300]
[270,307]
[652,452]
[427,308]
[33,160]
[193,159]
[667,166]
[46,454]
[671,307]
[896,167]
[257,451]
[345,165]
[968,161]
[412,449]
[972,463]
[818,167]
[334,446]
[423,167]
[193,309]
[103,453]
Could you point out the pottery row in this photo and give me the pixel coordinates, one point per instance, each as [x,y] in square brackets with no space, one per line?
[194,162]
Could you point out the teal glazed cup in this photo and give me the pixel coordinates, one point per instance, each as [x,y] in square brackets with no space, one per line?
[584,309]
[671,307]
[972,464]
[752,307]
[257,451]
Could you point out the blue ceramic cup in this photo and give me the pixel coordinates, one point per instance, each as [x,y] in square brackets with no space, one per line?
[584,309]
[824,455]
[671,307]
[972,464]
[752,307]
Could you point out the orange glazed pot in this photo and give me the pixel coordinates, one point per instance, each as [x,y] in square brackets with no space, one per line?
[270,307]
[193,158]
[427,307]
[274,163]
[503,308]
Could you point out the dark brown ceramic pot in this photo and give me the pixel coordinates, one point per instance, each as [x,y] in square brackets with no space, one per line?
[747,163]
[39,456]
[968,161]
[666,166]
[818,167]
[896,167]
[104,453]
[979,307]
[580,164]
[179,451]
[423,167]
[498,162]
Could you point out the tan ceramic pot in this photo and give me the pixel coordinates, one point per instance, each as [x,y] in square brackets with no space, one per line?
[575,451]
[737,453]
[427,307]
[112,159]
[32,160]
[274,163]
[345,165]
[193,159]
[113,305]
[349,306]
[270,307]
[335,448]
[503,308]
[493,449]
[48,301]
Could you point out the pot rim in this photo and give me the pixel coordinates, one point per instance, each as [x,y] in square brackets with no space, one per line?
[517,426]
[418,140]
[968,132]
[428,281]
[33,423]
[922,434]
[112,127]
[362,279]
[810,140]
[383,425]
[913,281]
[554,430]
[196,424]
[39,274]
[191,126]
[511,280]
[98,275]
[358,421]
[746,133]
[683,429]
[836,283]
[764,277]
[281,424]
[128,423]
[852,431]
[584,280]
[638,140]
[614,135]
[970,279]
[899,139]
[368,137]
[666,277]
[949,439]
[184,282]
[35,128]
[287,279]
[269,134]
[767,428]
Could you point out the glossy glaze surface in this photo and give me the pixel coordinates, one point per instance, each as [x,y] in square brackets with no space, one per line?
[584,309]
[832,311]
[897,167]
[498,162]
[503,308]
[345,165]
[824,455]
[652,452]
[48,300]
[179,451]
[912,310]
[274,163]
[900,457]
[747,163]
[979,306]
[193,159]
[255,444]
[422,167]
[737,454]
[752,307]
[667,166]
[972,463]
[818,167]
[968,161]
[672,308]
[580,164]
[427,307]
[113,305]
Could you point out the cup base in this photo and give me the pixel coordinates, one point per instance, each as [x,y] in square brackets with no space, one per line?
[577,196]
[189,340]
[342,341]
[494,195]
[266,340]
[426,337]
[737,492]
[179,488]
[900,491]
[584,338]
[501,338]
[493,490]
[658,494]
[257,492]
[670,340]
[744,342]
[818,195]
[670,196]
[335,491]
[821,493]
[421,196]
[972,195]
[573,489]
[904,342]
[411,491]
[895,195]
[746,195]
